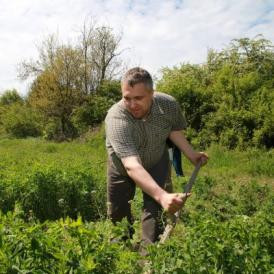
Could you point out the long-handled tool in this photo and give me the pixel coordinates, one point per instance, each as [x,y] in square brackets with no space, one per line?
[175,217]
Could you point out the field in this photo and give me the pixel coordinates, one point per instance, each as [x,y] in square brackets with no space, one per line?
[53,220]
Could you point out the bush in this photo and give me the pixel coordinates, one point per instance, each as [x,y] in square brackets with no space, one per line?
[110,89]
[242,245]
[49,193]
[10,97]
[52,193]
[91,113]
[65,246]
[229,99]
[186,85]
[58,131]
[21,121]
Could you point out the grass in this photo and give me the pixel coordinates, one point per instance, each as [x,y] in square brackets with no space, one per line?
[232,197]
[21,154]
[228,169]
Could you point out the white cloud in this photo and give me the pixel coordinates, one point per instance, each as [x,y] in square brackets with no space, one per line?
[159,33]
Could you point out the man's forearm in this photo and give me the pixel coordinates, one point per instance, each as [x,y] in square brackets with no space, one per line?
[178,138]
[143,179]
[169,201]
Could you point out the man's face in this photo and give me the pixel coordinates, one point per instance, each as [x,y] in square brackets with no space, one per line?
[137,99]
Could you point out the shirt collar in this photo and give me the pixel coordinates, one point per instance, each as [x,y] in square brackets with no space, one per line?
[156,108]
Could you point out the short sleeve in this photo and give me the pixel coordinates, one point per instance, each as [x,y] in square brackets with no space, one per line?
[179,121]
[119,135]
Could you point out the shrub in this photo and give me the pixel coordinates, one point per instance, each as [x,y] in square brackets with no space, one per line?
[10,97]
[21,121]
[65,246]
[91,113]
[241,245]
[52,193]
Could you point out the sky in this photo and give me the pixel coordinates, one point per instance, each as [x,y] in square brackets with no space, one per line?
[155,33]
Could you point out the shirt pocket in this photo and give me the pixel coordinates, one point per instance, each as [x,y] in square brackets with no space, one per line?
[159,134]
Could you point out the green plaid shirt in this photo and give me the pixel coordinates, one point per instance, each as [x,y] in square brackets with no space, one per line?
[128,136]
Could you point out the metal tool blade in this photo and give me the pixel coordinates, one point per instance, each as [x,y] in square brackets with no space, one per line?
[191,181]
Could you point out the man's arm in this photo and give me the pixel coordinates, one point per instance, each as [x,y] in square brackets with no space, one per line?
[171,202]
[179,139]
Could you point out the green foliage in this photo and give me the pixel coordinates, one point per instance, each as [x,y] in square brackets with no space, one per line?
[21,121]
[229,99]
[260,162]
[229,127]
[69,118]
[65,246]
[74,80]
[51,193]
[185,84]
[59,131]
[252,198]
[55,100]
[9,97]
[226,225]
[50,181]
[252,162]
[242,245]
[110,89]
[91,113]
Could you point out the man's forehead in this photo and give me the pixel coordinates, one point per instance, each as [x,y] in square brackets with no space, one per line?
[137,88]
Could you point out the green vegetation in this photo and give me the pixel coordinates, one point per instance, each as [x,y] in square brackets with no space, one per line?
[53,195]
[51,181]
[64,246]
[53,201]
[229,99]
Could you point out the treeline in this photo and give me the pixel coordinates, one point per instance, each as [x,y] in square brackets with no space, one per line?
[228,100]
[73,86]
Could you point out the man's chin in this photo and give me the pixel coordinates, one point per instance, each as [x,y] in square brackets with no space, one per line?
[137,115]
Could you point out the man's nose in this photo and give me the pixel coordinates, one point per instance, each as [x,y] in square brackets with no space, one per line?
[132,104]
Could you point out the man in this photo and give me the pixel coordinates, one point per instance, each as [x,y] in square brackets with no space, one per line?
[137,128]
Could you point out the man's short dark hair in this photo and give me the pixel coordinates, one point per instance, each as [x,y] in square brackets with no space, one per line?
[138,75]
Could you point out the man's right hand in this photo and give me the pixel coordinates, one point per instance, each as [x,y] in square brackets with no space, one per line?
[172,202]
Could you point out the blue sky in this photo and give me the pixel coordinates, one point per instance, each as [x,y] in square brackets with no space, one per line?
[156,33]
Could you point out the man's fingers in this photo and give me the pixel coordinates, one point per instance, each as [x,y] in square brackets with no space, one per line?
[203,158]
[181,197]
[175,201]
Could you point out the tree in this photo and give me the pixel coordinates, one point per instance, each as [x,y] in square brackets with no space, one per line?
[239,76]
[47,53]
[20,121]
[56,91]
[7,100]
[186,84]
[66,75]
[99,47]
[10,97]
[245,55]
[229,99]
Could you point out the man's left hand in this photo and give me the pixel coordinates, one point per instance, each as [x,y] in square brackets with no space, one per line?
[199,157]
